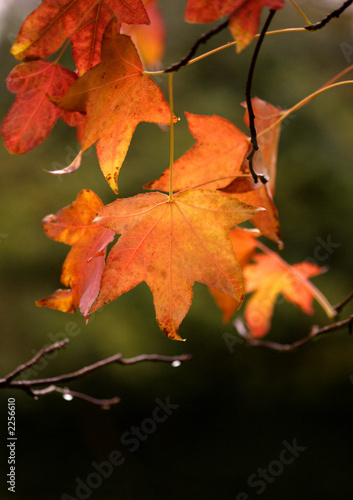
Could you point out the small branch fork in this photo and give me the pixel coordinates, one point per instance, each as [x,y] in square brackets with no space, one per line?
[315,331]
[336,13]
[32,387]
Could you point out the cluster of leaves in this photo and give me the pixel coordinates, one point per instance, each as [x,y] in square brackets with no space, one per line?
[184,230]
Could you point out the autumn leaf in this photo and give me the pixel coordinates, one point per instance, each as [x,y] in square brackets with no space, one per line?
[83,267]
[170,245]
[149,40]
[116,95]
[266,115]
[244,15]
[244,244]
[265,163]
[258,195]
[219,152]
[32,115]
[267,278]
[83,21]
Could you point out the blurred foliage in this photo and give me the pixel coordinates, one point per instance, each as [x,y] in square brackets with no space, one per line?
[235,409]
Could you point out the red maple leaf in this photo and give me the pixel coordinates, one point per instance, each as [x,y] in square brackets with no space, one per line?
[115,95]
[83,267]
[83,21]
[244,15]
[32,116]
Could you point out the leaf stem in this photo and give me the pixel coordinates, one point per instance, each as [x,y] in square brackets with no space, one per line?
[203,39]
[222,47]
[296,6]
[171,149]
[302,103]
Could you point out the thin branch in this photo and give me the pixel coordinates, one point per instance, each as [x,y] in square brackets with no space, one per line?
[254,143]
[45,350]
[338,307]
[203,39]
[315,332]
[30,386]
[69,395]
[336,13]
[223,47]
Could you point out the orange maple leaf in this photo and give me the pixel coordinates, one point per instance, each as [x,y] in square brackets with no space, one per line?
[269,277]
[219,152]
[116,95]
[83,21]
[266,115]
[244,244]
[32,115]
[258,195]
[149,40]
[265,161]
[83,267]
[244,15]
[170,245]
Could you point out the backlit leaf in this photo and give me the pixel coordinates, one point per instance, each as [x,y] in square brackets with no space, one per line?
[219,152]
[45,29]
[116,95]
[244,245]
[170,245]
[244,15]
[149,40]
[267,278]
[83,267]
[32,115]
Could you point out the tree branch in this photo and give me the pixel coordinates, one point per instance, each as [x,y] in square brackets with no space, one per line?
[203,39]
[30,386]
[254,143]
[338,307]
[315,332]
[40,354]
[325,20]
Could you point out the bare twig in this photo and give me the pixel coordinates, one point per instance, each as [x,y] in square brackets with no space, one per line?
[338,307]
[40,354]
[254,143]
[325,20]
[69,395]
[31,387]
[203,39]
[315,332]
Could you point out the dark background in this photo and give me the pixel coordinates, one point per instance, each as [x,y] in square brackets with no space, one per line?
[237,409]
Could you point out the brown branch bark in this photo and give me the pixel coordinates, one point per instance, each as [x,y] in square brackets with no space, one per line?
[32,387]
[276,346]
[254,143]
[203,39]
[336,13]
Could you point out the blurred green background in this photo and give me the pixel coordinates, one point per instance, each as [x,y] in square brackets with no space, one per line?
[235,409]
